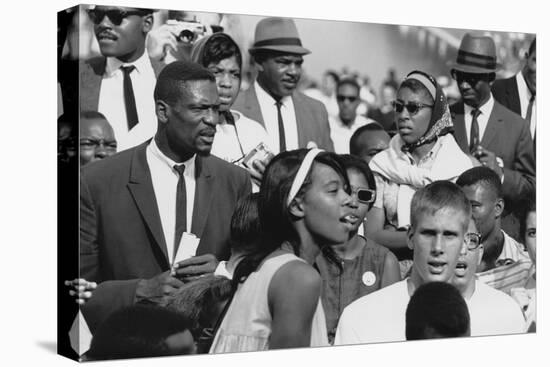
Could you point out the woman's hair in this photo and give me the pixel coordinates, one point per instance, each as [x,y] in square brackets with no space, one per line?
[417,87]
[217,47]
[198,301]
[276,221]
[245,225]
[356,163]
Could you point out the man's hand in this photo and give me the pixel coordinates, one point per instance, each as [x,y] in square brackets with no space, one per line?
[488,159]
[161,40]
[158,289]
[81,288]
[195,267]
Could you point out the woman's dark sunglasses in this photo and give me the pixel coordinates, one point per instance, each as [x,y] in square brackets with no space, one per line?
[365,196]
[412,107]
[116,16]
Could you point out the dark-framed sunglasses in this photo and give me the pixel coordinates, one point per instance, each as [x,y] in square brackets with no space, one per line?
[116,16]
[349,98]
[365,196]
[471,78]
[472,240]
[412,107]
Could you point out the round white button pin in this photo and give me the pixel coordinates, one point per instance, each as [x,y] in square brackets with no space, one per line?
[369,278]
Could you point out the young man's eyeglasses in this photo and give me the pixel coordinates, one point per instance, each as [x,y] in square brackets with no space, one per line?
[412,107]
[472,240]
[364,196]
[116,16]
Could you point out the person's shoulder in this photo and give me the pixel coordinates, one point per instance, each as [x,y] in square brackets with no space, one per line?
[95,64]
[494,295]
[302,98]
[109,166]
[378,299]
[457,107]
[222,168]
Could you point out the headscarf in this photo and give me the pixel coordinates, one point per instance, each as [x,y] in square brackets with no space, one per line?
[197,55]
[441,122]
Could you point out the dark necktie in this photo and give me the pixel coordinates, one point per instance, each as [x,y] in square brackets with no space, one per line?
[129,99]
[181,207]
[474,131]
[282,139]
[530,109]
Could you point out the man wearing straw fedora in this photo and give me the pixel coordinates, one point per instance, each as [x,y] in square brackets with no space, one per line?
[292,119]
[499,138]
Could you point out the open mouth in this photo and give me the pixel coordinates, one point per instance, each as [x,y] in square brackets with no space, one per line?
[350,220]
[461,268]
[436,267]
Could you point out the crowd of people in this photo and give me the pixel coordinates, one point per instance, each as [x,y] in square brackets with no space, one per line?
[215,219]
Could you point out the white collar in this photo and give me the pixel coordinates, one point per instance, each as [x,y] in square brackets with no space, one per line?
[141,64]
[189,164]
[485,109]
[522,85]
[264,96]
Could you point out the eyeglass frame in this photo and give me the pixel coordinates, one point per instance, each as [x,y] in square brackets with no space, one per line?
[417,105]
[467,240]
[471,78]
[356,193]
[96,19]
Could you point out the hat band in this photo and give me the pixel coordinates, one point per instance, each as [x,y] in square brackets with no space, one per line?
[471,59]
[283,41]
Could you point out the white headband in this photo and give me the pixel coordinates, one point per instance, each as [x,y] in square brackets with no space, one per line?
[426,82]
[301,174]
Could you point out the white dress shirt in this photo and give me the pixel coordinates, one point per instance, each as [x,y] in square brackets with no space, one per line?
[341,133]
[482,119]
[165,181]
[111,100]
[524,97]
[271,122]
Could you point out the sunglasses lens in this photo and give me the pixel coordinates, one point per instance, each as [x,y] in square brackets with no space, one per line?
[397,106]
[412,108]
[365,195]
[115,16]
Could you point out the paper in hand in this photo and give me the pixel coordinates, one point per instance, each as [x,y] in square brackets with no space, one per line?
[187,247]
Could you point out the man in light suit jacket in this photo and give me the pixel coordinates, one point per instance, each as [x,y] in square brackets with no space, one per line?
[292,119]
[496,136]
[133,224]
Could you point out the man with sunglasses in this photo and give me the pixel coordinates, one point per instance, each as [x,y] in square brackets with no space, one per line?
[496,136]
[344,125]
[120,82]
[492,312]
[292,119]
[505,263]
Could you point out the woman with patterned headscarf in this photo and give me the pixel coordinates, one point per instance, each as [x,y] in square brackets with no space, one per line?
[424,150]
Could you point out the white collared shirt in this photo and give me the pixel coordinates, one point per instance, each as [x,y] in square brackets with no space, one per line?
[269,114]
[341,133]
[165,181]
[111,100]
[482,119]
[524,97]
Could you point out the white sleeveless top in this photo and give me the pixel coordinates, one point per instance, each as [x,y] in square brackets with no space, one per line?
[246,326]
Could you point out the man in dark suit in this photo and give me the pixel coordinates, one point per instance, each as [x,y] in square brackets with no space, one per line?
[496,136]
[144,207]
[292,119]
[518,93]
[120,82]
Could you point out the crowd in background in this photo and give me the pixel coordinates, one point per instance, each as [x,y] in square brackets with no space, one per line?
[228,203]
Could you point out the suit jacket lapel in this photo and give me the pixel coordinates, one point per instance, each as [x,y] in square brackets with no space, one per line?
[141,188]
[493,126]
[203,195]
[512,96]
[460,127]
[300,116]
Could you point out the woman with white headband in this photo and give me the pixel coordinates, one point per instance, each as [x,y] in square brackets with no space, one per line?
[303,204]
[424,150]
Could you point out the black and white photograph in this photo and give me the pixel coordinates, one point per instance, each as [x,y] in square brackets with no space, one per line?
[232,180]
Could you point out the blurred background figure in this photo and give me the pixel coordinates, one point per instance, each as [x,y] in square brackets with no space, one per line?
[140,331]
[437,310]
[384,113]
[66,138]
[97,138]
[347,121]
[368,140]
[327,92]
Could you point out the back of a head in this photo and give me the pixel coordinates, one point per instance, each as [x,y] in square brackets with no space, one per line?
[440,195]
[437,310]
[481,175]
[245,225]
[355,142]
[173,77]
[135,332]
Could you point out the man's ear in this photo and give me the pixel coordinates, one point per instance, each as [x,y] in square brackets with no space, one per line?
[297,208]
[499,207]
[147,23]
[162,110]
[410,233]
